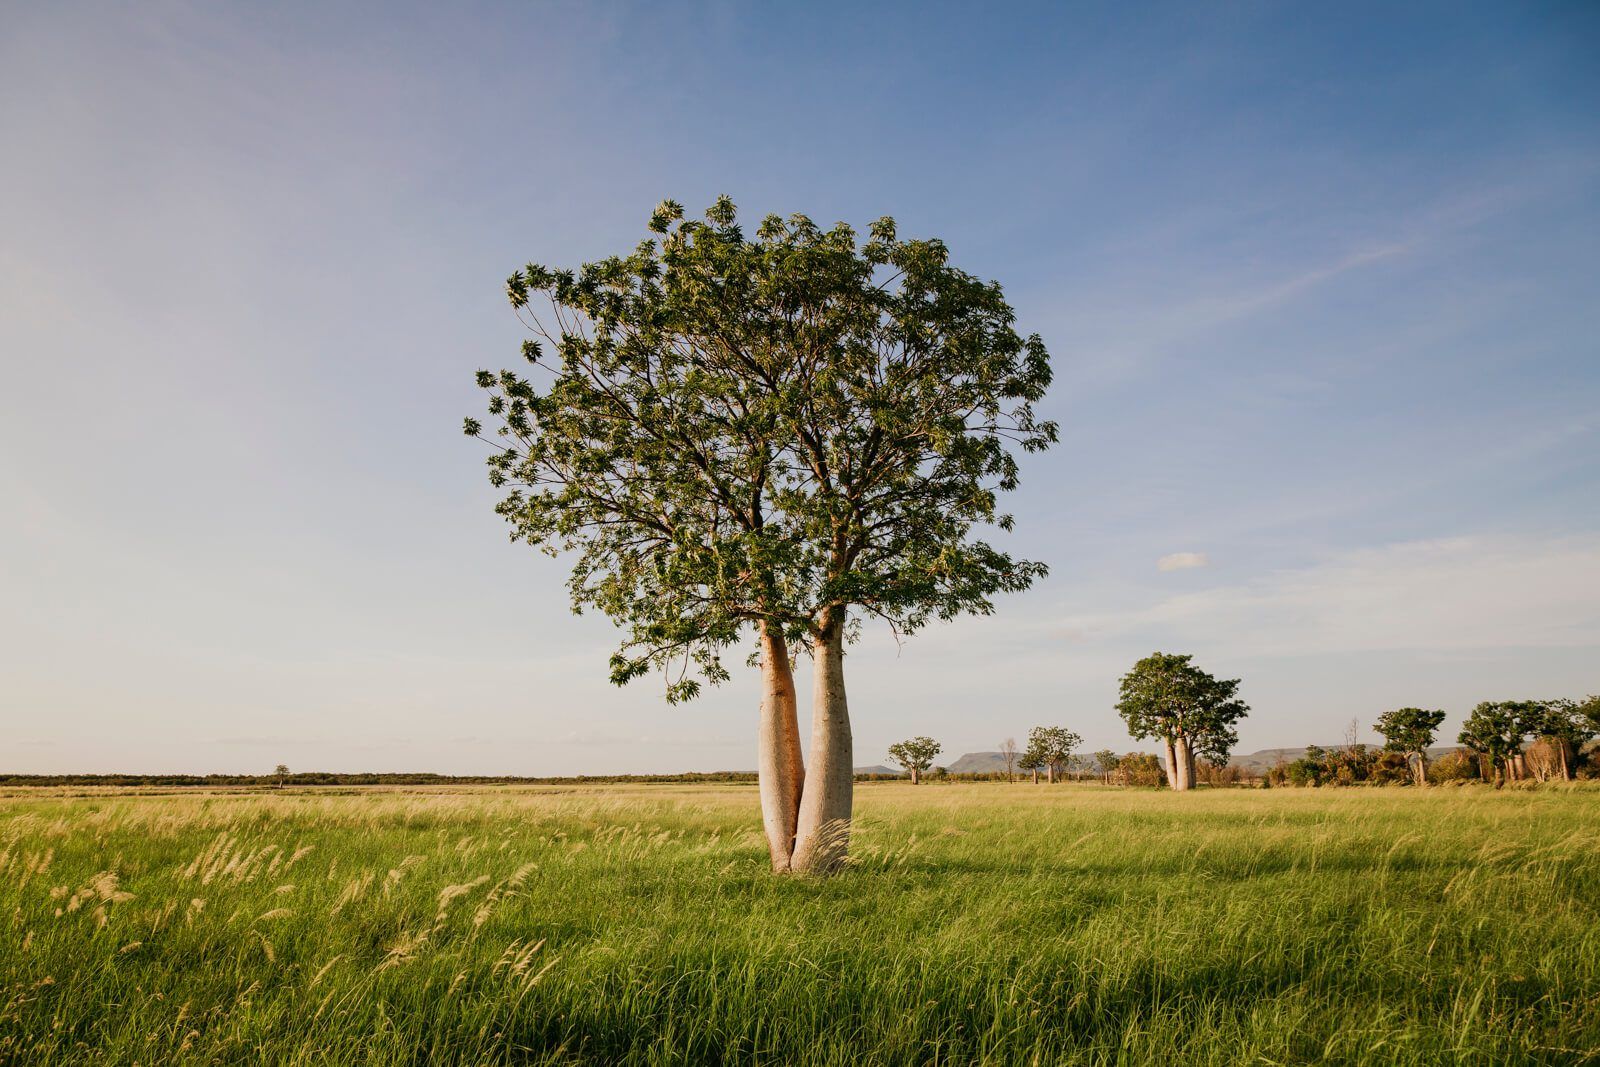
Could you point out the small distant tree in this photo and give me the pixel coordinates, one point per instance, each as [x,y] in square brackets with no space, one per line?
[1008,753]
[1029,761]
[281,771]
[1496,729]
[1410,732]
[1107,761]
[1052,747]
[915,755]
[1166,696]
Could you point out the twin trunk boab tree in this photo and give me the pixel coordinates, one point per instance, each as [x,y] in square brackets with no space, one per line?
[1193,714]
[773,436]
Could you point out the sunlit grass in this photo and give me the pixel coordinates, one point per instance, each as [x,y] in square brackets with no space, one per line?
[980,922]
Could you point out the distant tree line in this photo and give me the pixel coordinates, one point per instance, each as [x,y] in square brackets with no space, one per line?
[1503,741]
[1193,714]
[326,778]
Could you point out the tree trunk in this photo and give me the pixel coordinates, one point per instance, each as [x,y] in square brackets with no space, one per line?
[1035,775]
[824,830]
[1172,763]
[1183,764]
[914,777]
[1050,773]
[1566,764]
[780,765]
[1422,768]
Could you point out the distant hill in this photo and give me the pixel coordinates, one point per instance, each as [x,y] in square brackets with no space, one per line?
[878,768]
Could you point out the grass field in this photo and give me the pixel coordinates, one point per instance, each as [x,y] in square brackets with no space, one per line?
[979,923]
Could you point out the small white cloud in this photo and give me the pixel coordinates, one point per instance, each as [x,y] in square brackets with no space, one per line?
[1182,561]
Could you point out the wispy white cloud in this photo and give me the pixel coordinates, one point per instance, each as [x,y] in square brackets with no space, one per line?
[1447,596]
[1181,561]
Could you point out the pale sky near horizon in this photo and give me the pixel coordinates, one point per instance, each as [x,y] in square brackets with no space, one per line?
[1321,285]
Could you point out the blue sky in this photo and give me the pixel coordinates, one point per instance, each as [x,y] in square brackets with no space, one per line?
[1320,285]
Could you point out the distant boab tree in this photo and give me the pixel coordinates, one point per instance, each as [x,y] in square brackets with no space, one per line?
[915,755]
[740,434]
[1496,729]
[1051,747]
[1167,697]
[281,772]
[1409,731]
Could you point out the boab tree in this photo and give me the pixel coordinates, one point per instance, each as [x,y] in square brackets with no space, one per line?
[1496,729]
[1409,731]
[915,755]
[740,434]
[1166,696]
[1051,747]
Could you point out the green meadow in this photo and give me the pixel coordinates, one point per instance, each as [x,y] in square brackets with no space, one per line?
[977,923]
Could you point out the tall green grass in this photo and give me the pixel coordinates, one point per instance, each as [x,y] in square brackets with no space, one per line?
[978,923]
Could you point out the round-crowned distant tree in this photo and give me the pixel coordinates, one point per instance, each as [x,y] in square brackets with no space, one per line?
[1166,696]
[1409,731]
[1051,747]
[762,434]
[916,755]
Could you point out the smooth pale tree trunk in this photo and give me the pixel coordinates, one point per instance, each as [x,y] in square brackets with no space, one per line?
[1050,773]
[823,840]
[1182,764]
[914,778]
[1172,762]
[1035,776]
[780,765]
[1422,768]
